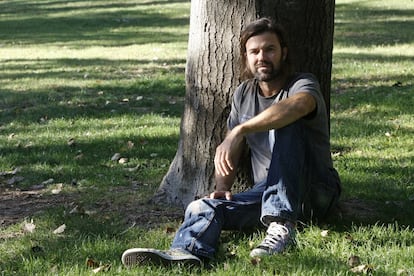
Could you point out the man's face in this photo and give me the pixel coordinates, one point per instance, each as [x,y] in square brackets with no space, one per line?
[264,56]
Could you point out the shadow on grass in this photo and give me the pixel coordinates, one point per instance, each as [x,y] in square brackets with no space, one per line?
[80,25]
[130,91]
[96,69]
[357,24]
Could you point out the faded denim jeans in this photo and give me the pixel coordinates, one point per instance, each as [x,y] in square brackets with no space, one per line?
[290,193]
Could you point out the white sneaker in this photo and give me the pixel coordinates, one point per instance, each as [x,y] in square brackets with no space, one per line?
[146,256]
[278,237]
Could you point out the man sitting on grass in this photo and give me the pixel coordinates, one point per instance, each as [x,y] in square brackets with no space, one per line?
[282,117]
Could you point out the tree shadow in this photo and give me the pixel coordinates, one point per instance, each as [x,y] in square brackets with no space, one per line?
[60,23]
[357,24]
[162,95]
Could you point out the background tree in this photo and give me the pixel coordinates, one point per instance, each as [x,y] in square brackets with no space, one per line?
[212,74]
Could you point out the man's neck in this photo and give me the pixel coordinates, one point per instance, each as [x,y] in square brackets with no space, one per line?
[273,87]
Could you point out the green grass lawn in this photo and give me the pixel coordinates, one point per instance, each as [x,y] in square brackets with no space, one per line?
[83,80]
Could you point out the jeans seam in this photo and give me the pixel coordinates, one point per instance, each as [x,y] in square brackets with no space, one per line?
[203,230]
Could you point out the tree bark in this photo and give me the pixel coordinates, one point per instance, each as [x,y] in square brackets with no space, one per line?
[212,74]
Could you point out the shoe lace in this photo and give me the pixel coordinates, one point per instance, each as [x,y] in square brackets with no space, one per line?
[277,235]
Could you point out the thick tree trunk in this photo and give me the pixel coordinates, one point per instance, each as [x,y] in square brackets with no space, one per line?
[212,74]
[310,26]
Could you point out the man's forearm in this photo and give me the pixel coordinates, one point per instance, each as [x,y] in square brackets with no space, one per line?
[279,115]
[224,183]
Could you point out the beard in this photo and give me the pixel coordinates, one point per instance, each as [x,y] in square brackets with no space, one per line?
[271,73]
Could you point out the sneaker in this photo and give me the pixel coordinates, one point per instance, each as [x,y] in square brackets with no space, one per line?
[147,256]
[278,237]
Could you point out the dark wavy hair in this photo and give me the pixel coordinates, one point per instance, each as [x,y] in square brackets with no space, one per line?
[258,27]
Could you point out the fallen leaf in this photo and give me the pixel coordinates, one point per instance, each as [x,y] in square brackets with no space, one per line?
[58,189]
[102,268]
[153,155]
[77,210]
[29,227]
[130,144]
[123,160]
[336,154]
[404,272]
[349,237]
[116,157]
[134,168]
[43,120]
[71,142]
[364,269]
[90,213]
[354,261]
[90,262]
[255,261]
[169,230]
[9,173]
[78,156]
[60,229]
[324,233]
[47,182]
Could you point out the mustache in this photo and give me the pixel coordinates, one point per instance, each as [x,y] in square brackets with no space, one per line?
[263,63]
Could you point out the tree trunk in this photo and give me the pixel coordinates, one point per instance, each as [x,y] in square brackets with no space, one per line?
[212,74]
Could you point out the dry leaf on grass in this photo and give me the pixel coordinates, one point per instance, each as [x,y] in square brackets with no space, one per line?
[324,233]
[58,189]
[47,182]
[29,227]
[102,268]
[123,160]
[77,210]
[130,144]
[60,229]
[97,267]
[363,269]
[90,262]
[71,142]
[255,261]
[354,261]
[116,157]
[170,230]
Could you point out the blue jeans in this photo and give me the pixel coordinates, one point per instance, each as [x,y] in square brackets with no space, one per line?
[292,191]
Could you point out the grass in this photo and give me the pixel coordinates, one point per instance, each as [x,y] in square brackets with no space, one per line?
[83,80]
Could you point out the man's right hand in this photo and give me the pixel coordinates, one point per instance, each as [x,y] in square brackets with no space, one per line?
[227,152]
[221,194]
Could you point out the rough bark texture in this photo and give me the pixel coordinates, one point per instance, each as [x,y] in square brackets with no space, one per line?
[212,74]
[310,26]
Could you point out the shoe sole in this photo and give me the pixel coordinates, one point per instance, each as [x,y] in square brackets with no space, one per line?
[138,256]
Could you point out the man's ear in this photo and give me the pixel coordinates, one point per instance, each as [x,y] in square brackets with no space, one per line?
[284,53]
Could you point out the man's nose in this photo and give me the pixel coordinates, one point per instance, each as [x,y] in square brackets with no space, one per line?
[261,55]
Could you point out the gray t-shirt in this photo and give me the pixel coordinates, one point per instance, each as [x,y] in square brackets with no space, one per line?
[248,102]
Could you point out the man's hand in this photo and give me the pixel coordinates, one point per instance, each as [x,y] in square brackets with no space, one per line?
[227,151]
[221,194]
